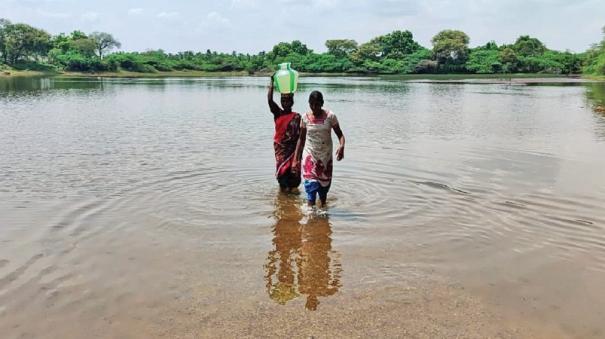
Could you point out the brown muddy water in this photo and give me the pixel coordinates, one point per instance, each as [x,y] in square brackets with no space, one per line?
[148,208]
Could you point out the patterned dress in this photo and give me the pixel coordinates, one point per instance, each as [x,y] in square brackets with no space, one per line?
[287,131]
[317,155]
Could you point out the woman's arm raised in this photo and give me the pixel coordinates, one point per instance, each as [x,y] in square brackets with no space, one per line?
[272,105]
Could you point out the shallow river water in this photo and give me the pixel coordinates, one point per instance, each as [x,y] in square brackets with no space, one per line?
[149,208]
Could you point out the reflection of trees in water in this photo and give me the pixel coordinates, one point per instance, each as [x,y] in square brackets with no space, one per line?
[37,84]
[596,95]
[302,261]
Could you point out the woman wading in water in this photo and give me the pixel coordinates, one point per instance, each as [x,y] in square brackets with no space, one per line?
[287,131]
[315,149]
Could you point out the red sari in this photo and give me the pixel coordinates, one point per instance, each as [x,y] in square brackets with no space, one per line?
[287,131]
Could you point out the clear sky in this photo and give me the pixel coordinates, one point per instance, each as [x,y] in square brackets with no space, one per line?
[255,25]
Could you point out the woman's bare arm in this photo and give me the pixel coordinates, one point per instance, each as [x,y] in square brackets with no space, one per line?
[275,109]
[340,152]
[300,145]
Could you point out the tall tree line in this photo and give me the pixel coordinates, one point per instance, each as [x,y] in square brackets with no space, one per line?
[22,45]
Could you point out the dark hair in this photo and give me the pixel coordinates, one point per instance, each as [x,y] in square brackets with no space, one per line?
[316,96]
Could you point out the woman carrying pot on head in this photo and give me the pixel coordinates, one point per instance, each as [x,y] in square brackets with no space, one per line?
[287,132]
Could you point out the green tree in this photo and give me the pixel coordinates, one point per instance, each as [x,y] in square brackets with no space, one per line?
[450,47]
[104,42]
[509,59]
[76,35]
[484,59]
[80,42]
[75,52]
[410,62]
[3,33]
[341,47]
[86,47]
[368,51]
[426,66]
[24,41]
[595,58]
[70,42]
[397,44]
[300,48]
[60,42]
[562,62]
[527,46]
[284,49]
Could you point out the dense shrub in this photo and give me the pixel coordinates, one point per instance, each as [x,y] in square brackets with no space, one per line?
[594,58]
[484,61]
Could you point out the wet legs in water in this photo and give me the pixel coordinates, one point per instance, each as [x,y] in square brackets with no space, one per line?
[321,200]
[313,189]
[289,182]
[288,189]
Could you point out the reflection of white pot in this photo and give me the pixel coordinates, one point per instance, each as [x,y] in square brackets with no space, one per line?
[285,79]
[283,292]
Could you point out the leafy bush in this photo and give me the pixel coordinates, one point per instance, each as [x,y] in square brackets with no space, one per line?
[594,59]
[484,61]
[34,66]
[130,62]
[426,66]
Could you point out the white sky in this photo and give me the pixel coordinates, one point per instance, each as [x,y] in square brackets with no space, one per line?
[255,25]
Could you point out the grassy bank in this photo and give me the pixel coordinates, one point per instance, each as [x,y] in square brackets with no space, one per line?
[170,74]
[459,76]
[8,73]
[594,77]
[192,74]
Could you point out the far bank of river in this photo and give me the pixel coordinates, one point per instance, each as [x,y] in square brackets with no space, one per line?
[488,78]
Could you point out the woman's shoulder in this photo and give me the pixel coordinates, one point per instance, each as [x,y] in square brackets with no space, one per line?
[331,115]
[331,118]
[308,116]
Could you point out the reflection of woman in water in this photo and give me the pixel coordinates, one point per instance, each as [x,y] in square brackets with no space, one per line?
[286,242]
[315,276]
[302,261]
